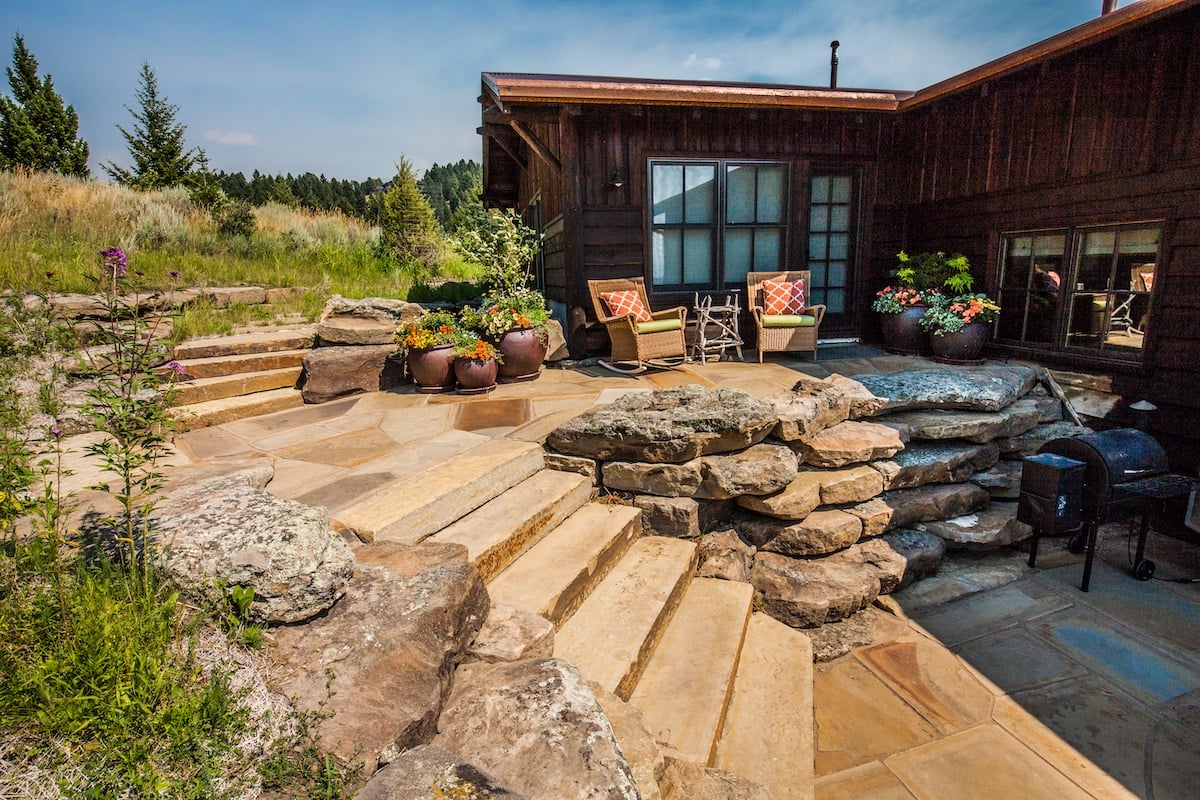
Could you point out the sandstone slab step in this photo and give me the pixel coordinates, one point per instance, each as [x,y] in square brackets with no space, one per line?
[497,532]
[685,691]
[218,366]
[615,631]
[424,503]
[768,735]
[298,338]
[558,573]
[204,389]
[229,409]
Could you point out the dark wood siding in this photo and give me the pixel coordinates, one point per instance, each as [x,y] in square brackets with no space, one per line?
[1109,133]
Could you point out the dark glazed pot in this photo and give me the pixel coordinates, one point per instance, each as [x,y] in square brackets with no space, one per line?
[432,370]
[965,345]
[475,376]
[524,350]
[902,333]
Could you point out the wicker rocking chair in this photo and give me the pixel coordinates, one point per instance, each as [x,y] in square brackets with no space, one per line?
[636,345]
[783,333]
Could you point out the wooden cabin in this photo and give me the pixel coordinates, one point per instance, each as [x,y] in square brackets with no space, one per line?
[1068,172]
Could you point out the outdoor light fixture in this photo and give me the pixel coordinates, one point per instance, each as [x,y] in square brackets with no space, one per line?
[618,179]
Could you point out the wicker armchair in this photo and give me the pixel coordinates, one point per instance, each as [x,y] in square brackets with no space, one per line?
[634,344]
[800,335]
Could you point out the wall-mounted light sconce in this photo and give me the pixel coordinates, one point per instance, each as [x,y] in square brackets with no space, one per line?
[618,179]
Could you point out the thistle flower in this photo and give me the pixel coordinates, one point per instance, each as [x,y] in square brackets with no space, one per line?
[174,273]
[176,369]
[115,261]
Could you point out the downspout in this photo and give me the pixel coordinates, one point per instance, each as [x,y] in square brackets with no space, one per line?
[1108,7]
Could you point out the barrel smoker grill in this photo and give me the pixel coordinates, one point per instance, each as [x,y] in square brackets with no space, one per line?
[1124,472]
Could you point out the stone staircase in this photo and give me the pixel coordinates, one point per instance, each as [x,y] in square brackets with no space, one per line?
[717,684]
[235,377]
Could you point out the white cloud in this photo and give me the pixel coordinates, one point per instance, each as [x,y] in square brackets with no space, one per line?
[709,63]
[232,138]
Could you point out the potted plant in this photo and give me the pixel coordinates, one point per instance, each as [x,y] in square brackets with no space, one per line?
[921,281]
[513,315]
[428,346]
[959,326]
[476,363]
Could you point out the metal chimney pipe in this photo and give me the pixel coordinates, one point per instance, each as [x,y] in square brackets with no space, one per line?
[833,60]
[1108,7]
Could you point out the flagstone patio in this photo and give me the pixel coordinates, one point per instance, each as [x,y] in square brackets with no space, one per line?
[1031,689]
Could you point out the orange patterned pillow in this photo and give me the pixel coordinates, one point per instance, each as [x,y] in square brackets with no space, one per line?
[783,297]
[626,301]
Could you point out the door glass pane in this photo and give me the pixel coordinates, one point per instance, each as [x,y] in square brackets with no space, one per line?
[820,219]
[1095,263]
[1141,240]
[817,272]
[665,248]
[1012,315]
[739,195]
[839,218]
[835,301]
[697,257]
[839,245]
[770,194]
[667,180]
[837,273]
[1016,265]
[700,180]
[820,189]
[766,250]
[737,254]
[818,246]
[840,189]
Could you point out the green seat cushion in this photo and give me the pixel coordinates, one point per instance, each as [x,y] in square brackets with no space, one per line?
[788,321]
[659,325]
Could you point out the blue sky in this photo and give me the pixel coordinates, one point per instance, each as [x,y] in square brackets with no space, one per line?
[345,88]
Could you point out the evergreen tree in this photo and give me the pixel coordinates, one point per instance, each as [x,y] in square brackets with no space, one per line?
[448,187]
[160,157]
[36,130]
[408,228]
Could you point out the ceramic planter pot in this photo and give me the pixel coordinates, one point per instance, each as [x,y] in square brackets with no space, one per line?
[432,369]
[902,333]
[965,345]
[524,350]
[475,375]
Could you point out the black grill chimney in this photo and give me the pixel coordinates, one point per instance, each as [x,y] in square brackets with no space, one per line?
[833,61]
[1108,7]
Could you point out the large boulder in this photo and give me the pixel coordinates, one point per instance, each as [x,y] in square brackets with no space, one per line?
[902,557]
[512,634]
[807,593]
[227,531]
[851,442]
[933,502]
[936,462]
[390,645]
[974,426]
[758,470]
[1030,441]
[796,501]
[663,480]
[724,555]
[680,517]
[992,527]
[333,372]
[668,425]
[987,388]
[819,533]
[431,773]
[810,407]
[369,321]
[538,728]
[1002,481]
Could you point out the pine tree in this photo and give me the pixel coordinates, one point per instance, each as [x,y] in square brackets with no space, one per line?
[407,225]
[36,130]
[159,156]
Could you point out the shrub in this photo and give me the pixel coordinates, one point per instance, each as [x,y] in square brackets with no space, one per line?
[236,218]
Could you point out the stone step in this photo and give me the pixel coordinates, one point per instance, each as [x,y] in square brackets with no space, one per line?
[298,338]
[684,692]
[612,636]
[558,573]
[422,504]
[768,735]
[229,409]
[205,389]
[499,531]
[219,366]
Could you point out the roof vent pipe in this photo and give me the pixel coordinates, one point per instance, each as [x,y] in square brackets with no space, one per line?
[833,60]
[1108,7]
